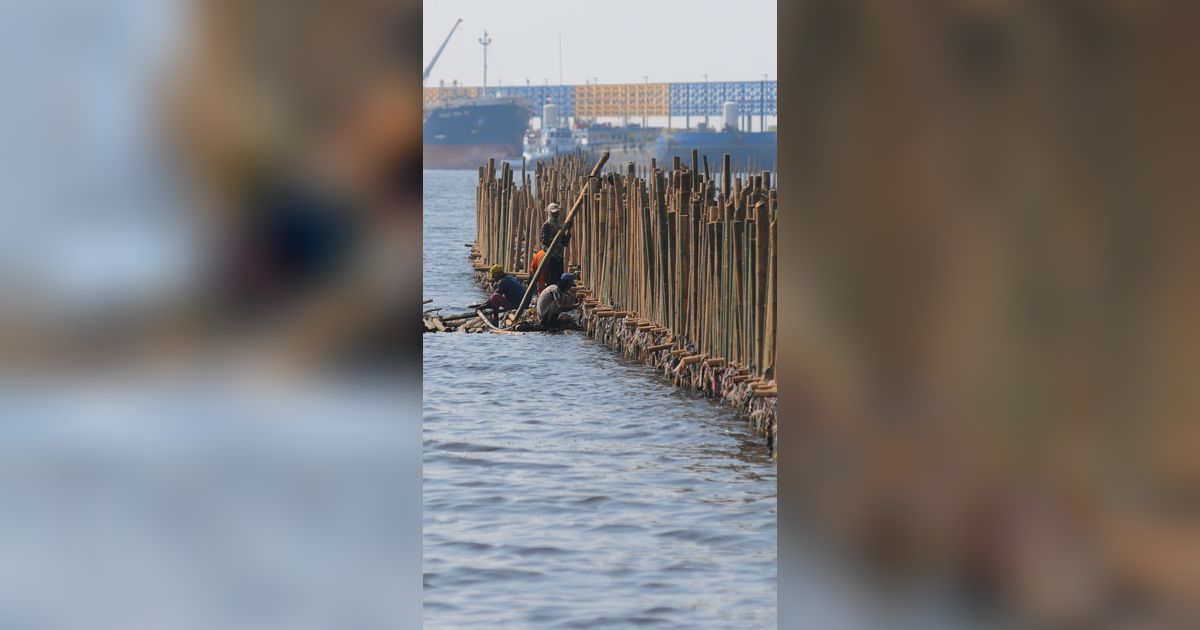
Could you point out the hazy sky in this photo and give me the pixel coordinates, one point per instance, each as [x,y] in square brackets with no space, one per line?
[616,41]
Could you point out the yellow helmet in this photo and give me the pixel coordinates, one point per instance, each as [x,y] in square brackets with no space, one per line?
[496,271]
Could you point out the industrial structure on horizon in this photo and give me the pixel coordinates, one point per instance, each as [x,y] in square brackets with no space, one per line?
[466,125]
[755,99]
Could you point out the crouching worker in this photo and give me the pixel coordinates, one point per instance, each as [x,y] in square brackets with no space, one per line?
[507,291]
[554,299]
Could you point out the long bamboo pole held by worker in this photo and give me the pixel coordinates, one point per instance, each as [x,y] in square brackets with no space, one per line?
[558,235]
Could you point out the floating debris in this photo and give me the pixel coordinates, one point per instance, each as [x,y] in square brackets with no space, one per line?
[463,322]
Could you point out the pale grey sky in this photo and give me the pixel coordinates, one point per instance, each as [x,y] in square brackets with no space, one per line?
[616,41]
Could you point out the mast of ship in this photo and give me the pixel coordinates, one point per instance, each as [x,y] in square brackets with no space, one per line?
[485,41]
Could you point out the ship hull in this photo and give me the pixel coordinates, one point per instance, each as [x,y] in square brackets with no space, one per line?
[467,134]
[747,151]
[466,156]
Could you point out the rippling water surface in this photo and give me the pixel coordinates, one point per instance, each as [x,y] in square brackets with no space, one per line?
[564,487]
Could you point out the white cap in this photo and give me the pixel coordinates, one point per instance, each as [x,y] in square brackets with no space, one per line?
[552,208]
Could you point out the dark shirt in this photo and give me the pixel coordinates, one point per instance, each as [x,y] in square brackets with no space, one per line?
[511,289]
[548,231]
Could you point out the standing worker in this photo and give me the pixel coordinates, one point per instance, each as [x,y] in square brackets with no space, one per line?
[533,265]
[554,259]
[508,291]
[554,299]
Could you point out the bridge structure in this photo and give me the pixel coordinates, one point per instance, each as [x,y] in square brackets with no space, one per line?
[702,98]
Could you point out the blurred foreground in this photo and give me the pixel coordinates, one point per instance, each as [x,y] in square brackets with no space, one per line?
[211,237]
[209,181]
[989,366]
[209,504]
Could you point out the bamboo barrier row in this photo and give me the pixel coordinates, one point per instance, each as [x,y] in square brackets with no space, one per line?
[681,251]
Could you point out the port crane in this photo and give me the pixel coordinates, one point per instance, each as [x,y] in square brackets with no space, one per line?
[438,54]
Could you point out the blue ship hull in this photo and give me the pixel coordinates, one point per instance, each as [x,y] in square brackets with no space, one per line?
[747,151]
[465,134]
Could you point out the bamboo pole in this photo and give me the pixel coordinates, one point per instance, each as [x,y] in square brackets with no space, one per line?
[660,251]
[558,236]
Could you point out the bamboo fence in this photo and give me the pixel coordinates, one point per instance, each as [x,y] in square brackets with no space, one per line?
[677,251]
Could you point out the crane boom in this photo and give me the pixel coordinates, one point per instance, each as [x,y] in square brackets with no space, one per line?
[438,54]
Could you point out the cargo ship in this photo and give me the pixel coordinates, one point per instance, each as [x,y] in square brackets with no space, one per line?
[748,151]
[466,133]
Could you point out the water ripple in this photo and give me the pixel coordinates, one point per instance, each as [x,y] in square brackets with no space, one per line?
[567,488]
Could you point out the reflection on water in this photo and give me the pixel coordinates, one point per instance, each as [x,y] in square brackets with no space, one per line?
[563,487]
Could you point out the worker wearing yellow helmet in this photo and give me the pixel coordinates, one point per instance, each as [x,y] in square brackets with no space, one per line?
[507,290]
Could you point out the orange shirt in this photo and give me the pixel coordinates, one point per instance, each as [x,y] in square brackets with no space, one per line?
[537,260]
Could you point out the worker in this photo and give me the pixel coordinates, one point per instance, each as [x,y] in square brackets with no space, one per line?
[507,290]
[533,265]
[554,259]
[554,299]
